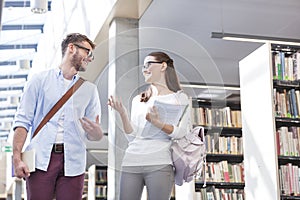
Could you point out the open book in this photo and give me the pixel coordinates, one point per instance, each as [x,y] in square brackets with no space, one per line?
[168,114]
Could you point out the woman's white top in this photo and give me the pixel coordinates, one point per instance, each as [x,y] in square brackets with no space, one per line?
[153,148]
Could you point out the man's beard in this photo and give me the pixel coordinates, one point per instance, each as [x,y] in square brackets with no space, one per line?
[77,62]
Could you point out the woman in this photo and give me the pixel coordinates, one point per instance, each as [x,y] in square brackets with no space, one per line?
[147,160]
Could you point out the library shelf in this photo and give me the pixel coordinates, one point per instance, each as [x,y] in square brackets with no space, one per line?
[269,81]
[224,185]
[97,183]
[221,120]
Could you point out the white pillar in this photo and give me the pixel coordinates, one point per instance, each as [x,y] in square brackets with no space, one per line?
[123,75]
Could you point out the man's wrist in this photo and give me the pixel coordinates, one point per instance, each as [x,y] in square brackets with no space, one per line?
[17,158]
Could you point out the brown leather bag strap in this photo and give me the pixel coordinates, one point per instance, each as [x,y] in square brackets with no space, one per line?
[58,105]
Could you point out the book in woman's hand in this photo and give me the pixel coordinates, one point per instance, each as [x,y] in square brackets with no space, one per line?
[168,114]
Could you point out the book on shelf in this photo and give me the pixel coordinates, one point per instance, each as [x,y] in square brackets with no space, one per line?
[296,64]
[216,144]
[213,193]
[236,117]
[287,103]
[294,109]
[97,182]
[216,137]
[287,141]
[289,179]
[234,145]
[242,174]
[297,94]
[221,117]
[217,176]
[101,191]
[227,116]
[224,171]
[223,145]
[276,66]
[231,173]
[101,176]
[208,144]
[285,65]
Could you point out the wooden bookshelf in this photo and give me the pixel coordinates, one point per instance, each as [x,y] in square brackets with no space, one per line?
[270,120]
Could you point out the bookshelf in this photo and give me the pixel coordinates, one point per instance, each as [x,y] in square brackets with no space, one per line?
[221,119]
[97,183]
[269,83]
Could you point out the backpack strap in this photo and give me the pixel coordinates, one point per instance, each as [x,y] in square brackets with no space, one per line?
[202,136]
[204,172]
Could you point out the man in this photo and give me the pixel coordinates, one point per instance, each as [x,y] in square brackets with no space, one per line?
[59,145]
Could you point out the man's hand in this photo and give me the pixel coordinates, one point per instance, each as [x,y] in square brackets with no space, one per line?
[92,129]
[21,169]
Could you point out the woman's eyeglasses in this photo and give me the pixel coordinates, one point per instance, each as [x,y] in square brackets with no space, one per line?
[89,52]
[147,64]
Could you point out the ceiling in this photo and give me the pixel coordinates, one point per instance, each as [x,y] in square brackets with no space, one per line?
[194,20]
[20,33]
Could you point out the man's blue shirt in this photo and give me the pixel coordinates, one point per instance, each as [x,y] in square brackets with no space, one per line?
[41,92]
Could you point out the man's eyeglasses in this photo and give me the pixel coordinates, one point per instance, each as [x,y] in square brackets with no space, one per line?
[147,64]
[89,52]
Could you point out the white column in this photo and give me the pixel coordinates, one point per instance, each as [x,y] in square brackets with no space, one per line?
[123,75]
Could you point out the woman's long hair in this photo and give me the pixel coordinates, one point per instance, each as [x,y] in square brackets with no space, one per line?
[171,77]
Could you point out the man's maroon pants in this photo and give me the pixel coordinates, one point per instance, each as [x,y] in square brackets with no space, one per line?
[52,184]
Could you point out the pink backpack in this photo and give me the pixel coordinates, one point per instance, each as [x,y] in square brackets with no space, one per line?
[189,156]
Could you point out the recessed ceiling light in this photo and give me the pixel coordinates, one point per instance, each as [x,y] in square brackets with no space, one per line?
[38,6]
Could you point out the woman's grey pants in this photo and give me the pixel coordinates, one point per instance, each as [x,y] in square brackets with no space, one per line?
[159,181]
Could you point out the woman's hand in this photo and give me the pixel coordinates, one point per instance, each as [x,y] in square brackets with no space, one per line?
[116,104]
[153,117]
